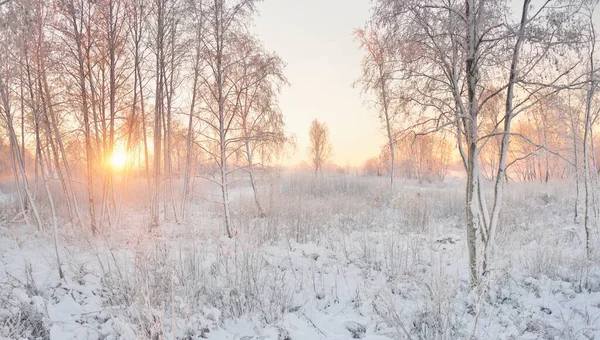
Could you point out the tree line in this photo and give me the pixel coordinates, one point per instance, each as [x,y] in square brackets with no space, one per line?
[173,84]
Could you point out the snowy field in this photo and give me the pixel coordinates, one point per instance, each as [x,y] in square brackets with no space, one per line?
[334,259]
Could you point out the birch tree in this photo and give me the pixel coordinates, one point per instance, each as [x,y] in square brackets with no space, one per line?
[197,27]
[165,45]
[8,76]
[260,119]
[378,78]
[592,83]
[76,20]
[226,26]
[319,148]
[450,52]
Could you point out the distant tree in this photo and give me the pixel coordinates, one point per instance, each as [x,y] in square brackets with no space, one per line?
[429,156]
[320,147]
[372,167]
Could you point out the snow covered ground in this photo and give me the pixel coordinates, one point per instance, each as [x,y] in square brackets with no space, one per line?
[335,259]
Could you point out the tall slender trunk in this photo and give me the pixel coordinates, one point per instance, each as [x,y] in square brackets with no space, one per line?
[22,103]
[53,213]
[35,106]
[223,129]
[113,21]
[168,139]
[499,185]
[575,163]
[158,114]
[388,125]
[546,153]
[17,177]
[86,120]
[189,143]
[16,152]
[594,170]
[586,156]
[93,95]
[223,153]
[250,156]
[49,111]
[52,146]
[144,135]
[138,34]
[471,139]
[261,211]
[133,118]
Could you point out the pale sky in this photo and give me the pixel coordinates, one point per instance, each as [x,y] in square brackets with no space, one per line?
[314,38]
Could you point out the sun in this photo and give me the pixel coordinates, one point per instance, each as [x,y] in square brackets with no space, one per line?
[118,160]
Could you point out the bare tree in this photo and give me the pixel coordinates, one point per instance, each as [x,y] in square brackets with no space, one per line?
[77,84]
[587,138]
[378,77]
[76,16]
[197,26]
[319,148]
[260,119]
[16,156]
[221,90]
[7,74]
[28,12]
[450,52]
[166,60]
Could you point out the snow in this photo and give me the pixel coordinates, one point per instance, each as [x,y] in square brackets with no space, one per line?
[4,198]
[352,268]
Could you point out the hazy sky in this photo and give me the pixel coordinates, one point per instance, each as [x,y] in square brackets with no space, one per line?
[315,38]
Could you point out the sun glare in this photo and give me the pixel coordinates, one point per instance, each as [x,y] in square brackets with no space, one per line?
[118,160]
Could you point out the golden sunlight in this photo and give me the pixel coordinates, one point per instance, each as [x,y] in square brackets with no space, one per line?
[118,160]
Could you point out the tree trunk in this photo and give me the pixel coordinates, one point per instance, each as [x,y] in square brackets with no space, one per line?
[189,147]
[54,221]
[576,164]
[471,137]
[249,156]
[499,185]
[17,157]
[158,115]
[86,121]
[388,125]
[586,157]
